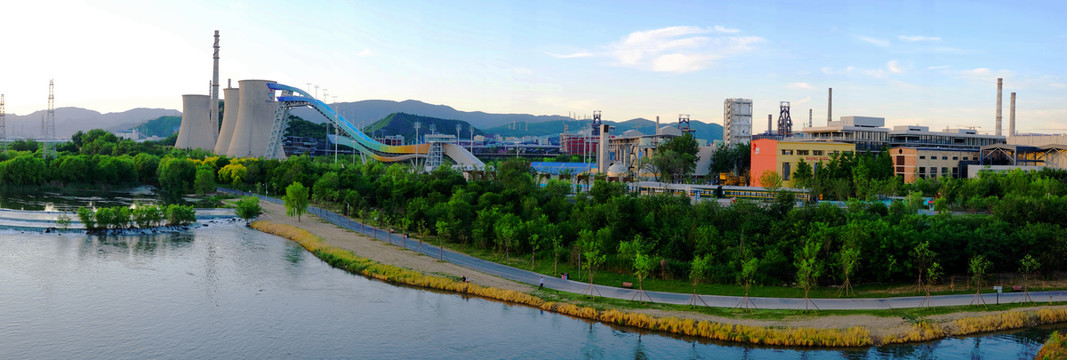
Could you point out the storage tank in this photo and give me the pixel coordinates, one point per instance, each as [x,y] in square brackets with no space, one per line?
[195,131]
[255,118]
[229,119]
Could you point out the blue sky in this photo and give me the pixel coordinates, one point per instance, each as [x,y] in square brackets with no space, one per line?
[932,63]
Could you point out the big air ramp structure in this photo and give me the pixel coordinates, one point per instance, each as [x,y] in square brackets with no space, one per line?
[292,97]
[229,119]
[196,131]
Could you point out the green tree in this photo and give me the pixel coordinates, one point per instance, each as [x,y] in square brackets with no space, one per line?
[87,218]
[770,180]
[1028,265]
[507,231]
[698,270]
[978,266]
[590,245]
[176,175]
[803,175]
[850,257]
[675,157]
[248,208]
[922,256]
[327,187]
[63,221]
[296,200]
[809,267]
[637,250]
[205,180]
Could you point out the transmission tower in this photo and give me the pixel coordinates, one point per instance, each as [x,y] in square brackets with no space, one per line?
[3,122]
[785,124]
[50,119]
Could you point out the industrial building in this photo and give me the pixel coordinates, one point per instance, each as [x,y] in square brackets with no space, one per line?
[627,150]
[1004,157]
[930,163]
[782,157]
[737,121]
[870,134]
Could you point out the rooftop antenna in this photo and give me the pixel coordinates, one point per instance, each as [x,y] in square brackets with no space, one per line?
[596,123]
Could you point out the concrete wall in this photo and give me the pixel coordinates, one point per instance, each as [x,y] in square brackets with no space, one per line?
[255,117]
[229,119]
[195,131]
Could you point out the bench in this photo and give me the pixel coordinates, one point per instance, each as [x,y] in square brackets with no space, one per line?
[628,285]
[1017,288]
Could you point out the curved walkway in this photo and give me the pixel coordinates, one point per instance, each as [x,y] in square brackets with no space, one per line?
[529,277]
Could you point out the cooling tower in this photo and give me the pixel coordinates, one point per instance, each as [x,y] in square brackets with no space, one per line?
[229,119]
[255,118]
[195,131]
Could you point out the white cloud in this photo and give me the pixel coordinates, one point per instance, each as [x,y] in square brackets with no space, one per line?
[983,75]
[366,53]
[799,85]
[877,42]
[831,71]
[894,67]
[915,38]
[579,54]
[937,67]
[726,30]
[679,48]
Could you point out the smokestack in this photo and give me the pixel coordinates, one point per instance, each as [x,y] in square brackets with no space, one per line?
[809,117]
[769,129]
[1011,116]
[1000,86]
[657,124]
[602,149]
[213,113]
[829,105]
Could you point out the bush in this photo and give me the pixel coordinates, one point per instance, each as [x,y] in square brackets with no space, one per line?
[248,207]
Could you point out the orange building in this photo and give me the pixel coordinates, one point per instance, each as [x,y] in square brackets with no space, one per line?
[782,157]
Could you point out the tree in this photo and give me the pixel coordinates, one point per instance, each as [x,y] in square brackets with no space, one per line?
[1028,265]
[248,208]
[803,175]
[978,267]
[327,187]
[850,256]
[205,180]
[87,218]
[507,229]
[63,221]
[176,175]
[637,250]
[296,200]
[676,156]
[590,247]
[933,274]
[698,269]
[748,270]
[923,257]
[809,268]
[770,180]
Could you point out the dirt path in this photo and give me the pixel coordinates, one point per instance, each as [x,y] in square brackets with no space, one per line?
[381,251]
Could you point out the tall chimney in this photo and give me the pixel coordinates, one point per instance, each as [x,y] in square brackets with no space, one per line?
[1000,86]
[602,149]
[213,112]
[657,124]
[1011,116]
[809,117]
[769,129]
[829,105]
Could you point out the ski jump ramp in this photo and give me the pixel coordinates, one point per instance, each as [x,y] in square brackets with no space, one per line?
[292,97]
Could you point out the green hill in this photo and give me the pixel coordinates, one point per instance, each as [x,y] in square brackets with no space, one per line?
[162,126]
[404,124]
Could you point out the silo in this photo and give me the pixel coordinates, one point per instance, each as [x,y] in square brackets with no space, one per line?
[195,131]
[255,118]
[229,119]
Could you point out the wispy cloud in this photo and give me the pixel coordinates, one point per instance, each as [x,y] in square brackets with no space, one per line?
[726,30]
[831,71]
[799,85]
[579,54]
[679,48]
[981,75]
[366,53]
[894,67]
[874,41]
[937,67]
[916,38]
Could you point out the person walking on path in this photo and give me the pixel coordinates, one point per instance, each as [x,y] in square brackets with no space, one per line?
[542,286]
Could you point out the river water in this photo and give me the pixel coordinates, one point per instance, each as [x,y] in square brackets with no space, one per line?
[228,292]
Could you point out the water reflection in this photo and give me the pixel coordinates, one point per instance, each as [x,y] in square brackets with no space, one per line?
[231,292]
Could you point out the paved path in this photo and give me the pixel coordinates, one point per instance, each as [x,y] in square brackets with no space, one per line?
[529,277]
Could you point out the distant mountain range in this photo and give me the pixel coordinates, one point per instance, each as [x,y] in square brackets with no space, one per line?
[370,111]
[701,130]
[403,124]
[72,119]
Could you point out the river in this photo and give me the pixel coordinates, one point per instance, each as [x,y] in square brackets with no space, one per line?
[225,291]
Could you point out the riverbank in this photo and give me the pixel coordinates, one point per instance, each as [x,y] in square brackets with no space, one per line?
[795,330]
